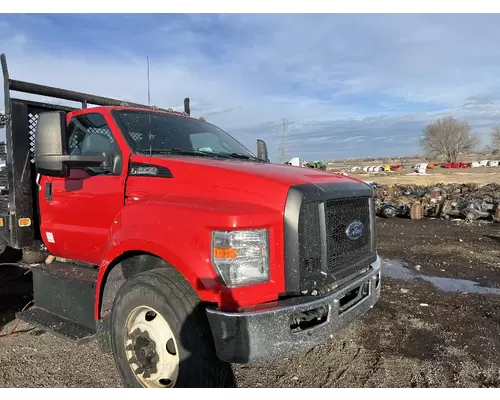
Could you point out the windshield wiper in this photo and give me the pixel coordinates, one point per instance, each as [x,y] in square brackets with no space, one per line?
[203,153]
[243,156]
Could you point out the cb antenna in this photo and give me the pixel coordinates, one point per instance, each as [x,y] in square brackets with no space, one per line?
[149,93]
[149,105]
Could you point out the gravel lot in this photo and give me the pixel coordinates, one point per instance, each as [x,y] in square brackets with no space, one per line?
[432,327]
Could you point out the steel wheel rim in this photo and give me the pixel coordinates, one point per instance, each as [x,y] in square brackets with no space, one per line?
[151,348]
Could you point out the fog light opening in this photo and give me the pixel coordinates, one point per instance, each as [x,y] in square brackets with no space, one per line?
[304,320]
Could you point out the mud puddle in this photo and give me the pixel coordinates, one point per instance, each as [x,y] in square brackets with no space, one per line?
[400,270]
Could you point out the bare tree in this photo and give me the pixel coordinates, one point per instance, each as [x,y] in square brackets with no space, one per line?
[495,139]
[448,137]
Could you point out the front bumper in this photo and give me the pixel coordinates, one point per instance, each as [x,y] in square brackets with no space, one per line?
[265,332]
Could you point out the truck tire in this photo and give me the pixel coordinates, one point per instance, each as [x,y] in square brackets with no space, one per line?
[160,334]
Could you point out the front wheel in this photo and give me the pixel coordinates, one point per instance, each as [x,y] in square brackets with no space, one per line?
[161,336]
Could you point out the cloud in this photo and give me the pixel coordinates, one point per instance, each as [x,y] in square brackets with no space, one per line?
[348,85]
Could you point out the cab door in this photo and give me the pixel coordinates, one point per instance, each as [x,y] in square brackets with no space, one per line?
[78,212]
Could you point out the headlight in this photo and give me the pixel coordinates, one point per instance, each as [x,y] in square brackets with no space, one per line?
[241,257]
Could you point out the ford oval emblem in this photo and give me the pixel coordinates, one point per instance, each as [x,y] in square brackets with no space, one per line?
[355,230]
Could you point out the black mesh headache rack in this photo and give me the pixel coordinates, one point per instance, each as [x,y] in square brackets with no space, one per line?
[19,217]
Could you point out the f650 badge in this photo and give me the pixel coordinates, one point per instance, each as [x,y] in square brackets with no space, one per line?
[355,230]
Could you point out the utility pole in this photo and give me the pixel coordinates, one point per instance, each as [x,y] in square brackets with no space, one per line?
[282,148]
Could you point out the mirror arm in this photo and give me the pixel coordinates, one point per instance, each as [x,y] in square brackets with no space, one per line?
[74,161]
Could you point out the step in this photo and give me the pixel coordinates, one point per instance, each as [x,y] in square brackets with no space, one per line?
[56,325]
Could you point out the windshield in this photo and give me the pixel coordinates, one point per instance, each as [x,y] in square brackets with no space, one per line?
[158,133]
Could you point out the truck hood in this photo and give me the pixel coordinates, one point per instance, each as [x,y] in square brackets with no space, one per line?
[236,180]
[279,173]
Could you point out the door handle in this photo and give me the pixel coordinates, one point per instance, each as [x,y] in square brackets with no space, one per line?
[48,191]
[131,199]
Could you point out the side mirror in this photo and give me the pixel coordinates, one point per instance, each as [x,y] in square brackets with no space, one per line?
[51,156]
[262,150]
[50,143]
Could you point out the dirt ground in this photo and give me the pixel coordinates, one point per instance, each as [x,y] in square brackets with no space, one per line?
[420,334]
[480,176]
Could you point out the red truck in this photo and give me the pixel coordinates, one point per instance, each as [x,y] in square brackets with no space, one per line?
[173,245]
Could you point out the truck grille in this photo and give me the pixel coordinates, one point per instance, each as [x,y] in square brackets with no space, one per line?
[326,253]
[341,250]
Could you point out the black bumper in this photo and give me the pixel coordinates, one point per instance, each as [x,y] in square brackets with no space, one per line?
[265,332]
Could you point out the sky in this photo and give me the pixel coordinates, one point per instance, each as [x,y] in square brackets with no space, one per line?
[349,85]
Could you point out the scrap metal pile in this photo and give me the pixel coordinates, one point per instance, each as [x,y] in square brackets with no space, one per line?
[465,201]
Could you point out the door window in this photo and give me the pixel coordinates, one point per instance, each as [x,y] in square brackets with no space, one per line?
[89,135]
